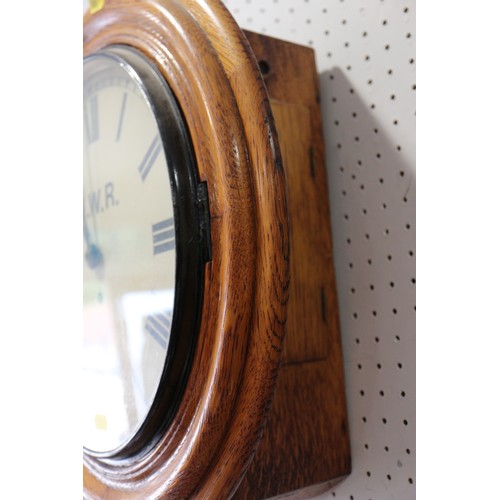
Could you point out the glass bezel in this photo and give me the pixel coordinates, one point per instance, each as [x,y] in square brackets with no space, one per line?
[190,222]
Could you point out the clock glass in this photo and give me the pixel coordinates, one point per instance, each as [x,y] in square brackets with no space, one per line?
[134,144]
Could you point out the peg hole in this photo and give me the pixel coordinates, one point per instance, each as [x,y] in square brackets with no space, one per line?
[264,67]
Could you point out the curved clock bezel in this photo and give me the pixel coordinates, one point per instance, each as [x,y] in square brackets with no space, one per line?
[209,65]
[190,252]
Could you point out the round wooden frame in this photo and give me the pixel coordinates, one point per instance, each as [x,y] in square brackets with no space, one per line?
[209,65]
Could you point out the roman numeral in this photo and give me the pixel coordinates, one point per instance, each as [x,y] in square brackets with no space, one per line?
[150,157]
[163,236]
[158,326]
[92,120]
[120,120]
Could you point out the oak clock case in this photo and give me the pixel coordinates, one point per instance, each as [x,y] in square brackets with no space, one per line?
[231,410]
[211,438]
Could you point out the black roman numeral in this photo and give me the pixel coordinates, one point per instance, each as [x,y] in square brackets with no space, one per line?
[92,120]
[120,120]
[158,326]
[163,236]
[150,157]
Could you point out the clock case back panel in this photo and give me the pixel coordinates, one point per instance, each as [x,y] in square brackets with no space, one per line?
[305,446]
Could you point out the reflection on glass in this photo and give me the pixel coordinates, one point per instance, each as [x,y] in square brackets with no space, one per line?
[128,254]
[125,388]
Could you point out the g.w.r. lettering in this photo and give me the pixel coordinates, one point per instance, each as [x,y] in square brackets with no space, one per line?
[101,199]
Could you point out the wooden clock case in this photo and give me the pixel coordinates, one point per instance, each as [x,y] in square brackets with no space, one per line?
[260,416]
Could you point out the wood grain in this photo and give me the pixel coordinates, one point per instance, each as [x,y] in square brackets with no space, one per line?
[310,287]
[258,242]
[305,445]
[208,63]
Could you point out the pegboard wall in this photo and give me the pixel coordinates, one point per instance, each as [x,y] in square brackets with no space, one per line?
[365,54]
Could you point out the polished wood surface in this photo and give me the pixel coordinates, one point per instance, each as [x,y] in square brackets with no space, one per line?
[271,243]
[305,445]
[210,67]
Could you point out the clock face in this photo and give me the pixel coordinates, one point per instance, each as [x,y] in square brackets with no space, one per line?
[130,248]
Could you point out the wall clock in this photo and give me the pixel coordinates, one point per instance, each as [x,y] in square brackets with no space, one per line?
[212,360]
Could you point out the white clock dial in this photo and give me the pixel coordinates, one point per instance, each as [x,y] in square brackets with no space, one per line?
[129,253]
